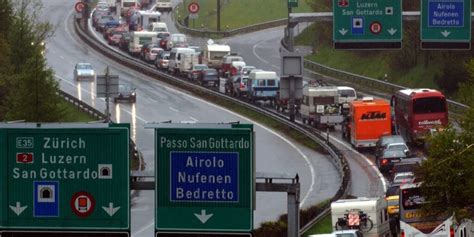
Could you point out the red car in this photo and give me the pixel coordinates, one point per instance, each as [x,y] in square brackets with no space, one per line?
[114,39]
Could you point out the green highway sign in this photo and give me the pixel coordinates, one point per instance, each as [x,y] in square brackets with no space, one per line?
[65,179]
[204,178]
[445,24]
[367,24]
[292,3]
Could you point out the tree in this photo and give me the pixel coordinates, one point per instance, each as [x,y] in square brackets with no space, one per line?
[447,177]
[31,93]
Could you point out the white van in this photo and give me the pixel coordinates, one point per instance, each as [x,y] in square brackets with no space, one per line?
[346,94]
[157,27]
[176,58]
[374,208]
[138,39]
[213,54]
[146,18]
[263,85]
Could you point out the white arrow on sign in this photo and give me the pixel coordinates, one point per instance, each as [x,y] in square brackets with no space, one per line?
[203,217]
[445,33]
[343,31]
[392,31]
[18,209]
[111,210]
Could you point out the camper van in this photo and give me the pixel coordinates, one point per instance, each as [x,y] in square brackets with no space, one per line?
[345,95]
[125,5]
[145,18]
[370,212]
[213,54]
[263,85]
[320,106]
[138,39]
[177,58]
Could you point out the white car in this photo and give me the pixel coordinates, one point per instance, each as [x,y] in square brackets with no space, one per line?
[402,178]
[84,71]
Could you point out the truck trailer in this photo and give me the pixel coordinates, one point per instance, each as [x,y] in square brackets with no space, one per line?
[367,121]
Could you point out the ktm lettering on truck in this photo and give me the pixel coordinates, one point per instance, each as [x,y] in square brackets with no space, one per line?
[374,115]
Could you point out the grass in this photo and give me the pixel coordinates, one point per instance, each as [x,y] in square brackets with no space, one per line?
[239,13]
[73,114]
[322,227]
[374,64]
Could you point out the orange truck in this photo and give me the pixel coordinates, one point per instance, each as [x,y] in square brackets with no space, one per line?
[368,119]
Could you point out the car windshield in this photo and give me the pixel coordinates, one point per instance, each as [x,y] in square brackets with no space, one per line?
[346,93]
[125,88]
[397,147]
[84,67]
[393,154]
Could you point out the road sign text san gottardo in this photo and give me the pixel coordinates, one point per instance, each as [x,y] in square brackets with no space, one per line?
[59,179]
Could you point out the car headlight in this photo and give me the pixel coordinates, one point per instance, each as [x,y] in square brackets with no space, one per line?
[79,73]
[133,94]
[92,73]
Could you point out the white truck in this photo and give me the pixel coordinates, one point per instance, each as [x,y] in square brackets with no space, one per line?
[320,106]
[163,5]
[187,62]
[369,215]
[213,54]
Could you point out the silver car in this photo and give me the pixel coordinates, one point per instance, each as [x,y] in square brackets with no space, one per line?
[84,71]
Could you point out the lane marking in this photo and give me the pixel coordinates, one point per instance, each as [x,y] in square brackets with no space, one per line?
[256,55]
[143,229]
[173,109]
[194,119]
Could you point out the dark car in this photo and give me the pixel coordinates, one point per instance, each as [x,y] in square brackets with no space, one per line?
[111,24]
[388,158]
[124,42]
[209,77]
[101,23]
[146,48]
[196,71]
[115,38]
[126,93]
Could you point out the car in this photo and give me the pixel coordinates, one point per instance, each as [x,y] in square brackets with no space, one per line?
[196,71]
[246,70]
[407,165]
[114,38]
[84,71]
[124,42]
[162,60]
[392,196]
[98,15]
[388,158]
[150,55]
[102,6]
[240,85]
[102,22]
[146,47]
[209,77]
[177,41]
[383,141]
[226,63]
[126,93]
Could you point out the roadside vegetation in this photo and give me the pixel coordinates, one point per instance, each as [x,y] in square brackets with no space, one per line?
[322,227]
[237,13]
[410,66]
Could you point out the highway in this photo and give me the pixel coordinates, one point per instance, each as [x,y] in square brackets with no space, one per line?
[160,102]
[262,49]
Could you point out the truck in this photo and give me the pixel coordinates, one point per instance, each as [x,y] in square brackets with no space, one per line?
[320,106]
[163,5]
[213,54]
[138,39]
[187,62]
[367,214]
[367,121]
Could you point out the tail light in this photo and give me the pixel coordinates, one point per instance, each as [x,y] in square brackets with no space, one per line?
[384,161]
[242,86]
[402,234]
[451,231]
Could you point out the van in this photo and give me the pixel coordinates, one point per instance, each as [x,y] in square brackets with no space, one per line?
[157,27]
[213,54]
[345,95]
[263,85]
[177,40]
[138,39]
[145,18]
[375,209]
[176,58]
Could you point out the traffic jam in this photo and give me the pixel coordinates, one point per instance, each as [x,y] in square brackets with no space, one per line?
[392,133]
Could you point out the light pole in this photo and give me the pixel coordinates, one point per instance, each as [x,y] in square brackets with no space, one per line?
[36,72]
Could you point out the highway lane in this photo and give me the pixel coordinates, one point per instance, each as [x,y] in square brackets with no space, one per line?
[160,102]
[262,49]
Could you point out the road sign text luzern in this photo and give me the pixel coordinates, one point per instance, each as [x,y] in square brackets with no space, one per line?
[204,179]
[445,24]
[65,179]
[367,24]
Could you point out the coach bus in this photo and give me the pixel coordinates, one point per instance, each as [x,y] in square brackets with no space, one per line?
[419,111]
[416,221]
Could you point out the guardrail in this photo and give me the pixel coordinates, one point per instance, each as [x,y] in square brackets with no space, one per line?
[387,87]
[337,158]
[81,105]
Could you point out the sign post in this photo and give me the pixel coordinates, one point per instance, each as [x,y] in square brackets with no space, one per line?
[204,178]
[63,180]
[445,24]
[367,24]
